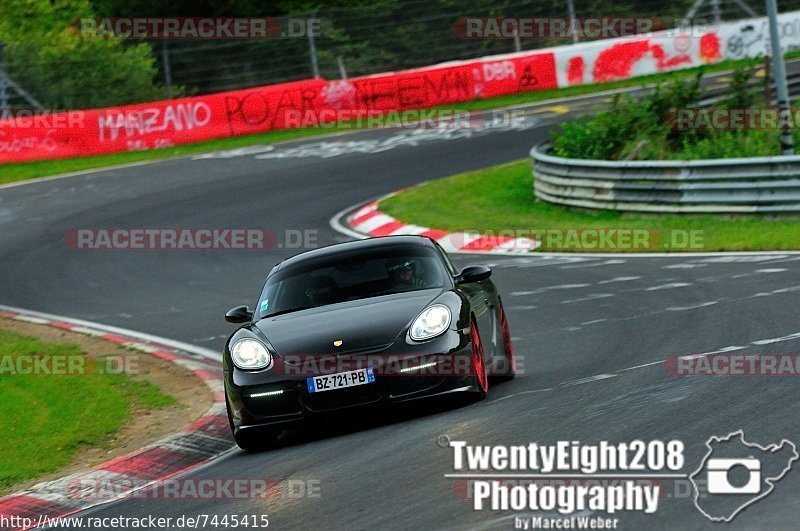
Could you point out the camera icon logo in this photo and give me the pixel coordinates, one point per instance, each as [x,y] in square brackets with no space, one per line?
[736,473]
[718,476]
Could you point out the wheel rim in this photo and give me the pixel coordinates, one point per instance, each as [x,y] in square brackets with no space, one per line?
[478,364]
[512,363]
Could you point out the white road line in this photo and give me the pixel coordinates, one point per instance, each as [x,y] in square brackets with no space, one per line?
[790,259]
[29,319]
[606,376]
[693,307]
[678,308]
[589,379]
[531,392]
[82,172]
[643,365]
[591,297]
[723,350]
[745,257]
[671,285]
[683,266]
[618,279]
[595,264]
[787,290]
[179,345]
[549,288]
[770,341]
[594,321]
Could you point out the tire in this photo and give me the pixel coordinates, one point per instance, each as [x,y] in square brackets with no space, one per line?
[478,363]
[508,348]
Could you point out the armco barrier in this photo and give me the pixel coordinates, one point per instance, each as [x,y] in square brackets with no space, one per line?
[309,102]
[746,185]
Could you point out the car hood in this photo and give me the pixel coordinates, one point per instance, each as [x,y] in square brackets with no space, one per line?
[361,325]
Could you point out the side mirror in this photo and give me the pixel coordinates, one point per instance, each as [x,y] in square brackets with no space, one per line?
[240,314]
[474,273]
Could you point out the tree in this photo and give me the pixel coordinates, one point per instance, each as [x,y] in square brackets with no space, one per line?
[47,55]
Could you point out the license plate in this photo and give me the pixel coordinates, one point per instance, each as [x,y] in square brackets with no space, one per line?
[340,380]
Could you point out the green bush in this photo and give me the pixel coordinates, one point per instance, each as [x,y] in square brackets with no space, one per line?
[639,129]
[731,144]
[47,56]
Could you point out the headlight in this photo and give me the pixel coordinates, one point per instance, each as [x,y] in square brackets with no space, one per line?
[250,354]
[432,322]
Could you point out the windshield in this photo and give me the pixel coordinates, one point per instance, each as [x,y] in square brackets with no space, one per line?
[351,276]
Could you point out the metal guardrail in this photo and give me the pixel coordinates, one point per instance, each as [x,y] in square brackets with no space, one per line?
[755,86]
[745,185]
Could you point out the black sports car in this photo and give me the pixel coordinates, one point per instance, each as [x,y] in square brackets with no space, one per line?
[375,321]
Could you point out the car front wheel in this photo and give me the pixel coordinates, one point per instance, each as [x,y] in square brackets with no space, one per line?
[478,363]
[509,365]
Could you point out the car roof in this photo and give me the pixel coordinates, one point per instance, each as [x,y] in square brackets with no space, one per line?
[382,242]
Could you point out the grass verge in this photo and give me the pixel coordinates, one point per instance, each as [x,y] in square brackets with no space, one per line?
[47,418]
[30,170]
[500,198]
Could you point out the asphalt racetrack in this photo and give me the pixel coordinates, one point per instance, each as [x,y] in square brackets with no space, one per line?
[591,331]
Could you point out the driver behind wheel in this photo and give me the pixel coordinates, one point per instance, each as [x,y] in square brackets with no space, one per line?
[405,273]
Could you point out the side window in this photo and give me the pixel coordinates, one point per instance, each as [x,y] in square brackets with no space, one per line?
[446,259]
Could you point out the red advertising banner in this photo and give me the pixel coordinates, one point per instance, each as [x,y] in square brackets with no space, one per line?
[161,124]
[28,136]
[311,102]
